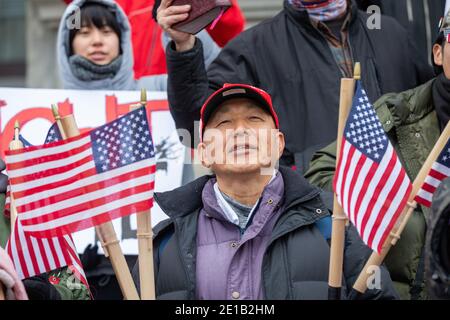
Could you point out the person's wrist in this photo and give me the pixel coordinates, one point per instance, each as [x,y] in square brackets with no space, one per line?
[185,45]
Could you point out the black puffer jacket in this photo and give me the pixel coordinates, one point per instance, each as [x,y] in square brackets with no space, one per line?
[295,264]
[290,59]
[437,246]
[420,18]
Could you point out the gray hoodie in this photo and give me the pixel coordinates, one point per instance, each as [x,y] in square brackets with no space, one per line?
[124,79]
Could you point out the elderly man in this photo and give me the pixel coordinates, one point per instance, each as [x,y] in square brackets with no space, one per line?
[250,231]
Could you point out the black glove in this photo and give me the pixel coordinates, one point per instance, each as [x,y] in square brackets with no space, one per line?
[38,288]
[90,258]
[3,178]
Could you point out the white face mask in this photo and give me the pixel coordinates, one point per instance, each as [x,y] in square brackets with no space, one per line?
[325,10]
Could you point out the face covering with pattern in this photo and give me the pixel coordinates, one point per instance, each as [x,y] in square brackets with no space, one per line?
[321,10]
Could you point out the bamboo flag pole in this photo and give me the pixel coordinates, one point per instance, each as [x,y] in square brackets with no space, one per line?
[58,121]
[106,232]
[145,239]
[376,259]
[339,217]
[62,132]
[15,144]
[57,118]
[2,292]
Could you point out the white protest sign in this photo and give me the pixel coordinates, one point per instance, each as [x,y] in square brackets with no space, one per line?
[32,108]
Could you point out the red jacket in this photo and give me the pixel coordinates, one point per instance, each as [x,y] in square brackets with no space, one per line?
[149,56]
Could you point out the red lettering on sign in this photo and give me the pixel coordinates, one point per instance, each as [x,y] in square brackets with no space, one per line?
[113,110]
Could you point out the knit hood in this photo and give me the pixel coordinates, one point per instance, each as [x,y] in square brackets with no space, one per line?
[123,80]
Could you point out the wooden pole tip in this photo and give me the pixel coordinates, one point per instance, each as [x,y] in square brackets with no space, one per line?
[55,111]
[16,138]
[357,71]
[143,97]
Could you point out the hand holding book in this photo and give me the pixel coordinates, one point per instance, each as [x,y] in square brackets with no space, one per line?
[183,18]
[169,15]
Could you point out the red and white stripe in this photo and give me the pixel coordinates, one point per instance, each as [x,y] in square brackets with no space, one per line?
[434,178]
[75,266]
[57,189]
[33,256]
[372,195]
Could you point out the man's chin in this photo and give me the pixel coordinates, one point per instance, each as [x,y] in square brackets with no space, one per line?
[237,168]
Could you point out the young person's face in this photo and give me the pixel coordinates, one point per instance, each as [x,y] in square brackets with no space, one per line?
[240,137]
[441,55]
[100,46]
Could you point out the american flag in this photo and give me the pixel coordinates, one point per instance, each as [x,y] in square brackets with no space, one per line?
[438,172]
[370,183]
[53,135]
[67,186]
[33,256]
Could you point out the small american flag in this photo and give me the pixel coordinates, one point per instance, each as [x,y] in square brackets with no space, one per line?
[370,183]
[53,135]
[71,185]
[439,171]
[33,256]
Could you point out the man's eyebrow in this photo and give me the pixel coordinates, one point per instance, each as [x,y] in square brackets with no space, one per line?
[216,120]
[256,105]
[261,110]
[252,104]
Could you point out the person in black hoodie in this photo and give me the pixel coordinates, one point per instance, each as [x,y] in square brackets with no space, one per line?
[299,57]
[420,18]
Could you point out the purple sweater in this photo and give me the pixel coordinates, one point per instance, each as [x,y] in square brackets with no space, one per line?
[228,263]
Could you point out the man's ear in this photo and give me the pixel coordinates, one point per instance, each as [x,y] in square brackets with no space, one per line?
[281,144]
[438,55]
[202,155]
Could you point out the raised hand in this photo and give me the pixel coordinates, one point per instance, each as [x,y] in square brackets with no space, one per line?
[168,16]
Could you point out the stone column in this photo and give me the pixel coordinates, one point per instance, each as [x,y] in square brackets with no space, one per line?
[42,18]
[256,11]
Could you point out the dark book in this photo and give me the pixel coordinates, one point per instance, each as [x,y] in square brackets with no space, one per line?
[202,13]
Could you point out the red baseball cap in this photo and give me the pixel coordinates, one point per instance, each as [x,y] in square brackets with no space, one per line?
[233,91]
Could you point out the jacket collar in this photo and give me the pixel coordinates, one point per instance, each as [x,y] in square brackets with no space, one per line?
[303,18]
[296,188]
[216,206]
[187,199]
[405,108]
[183,200]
